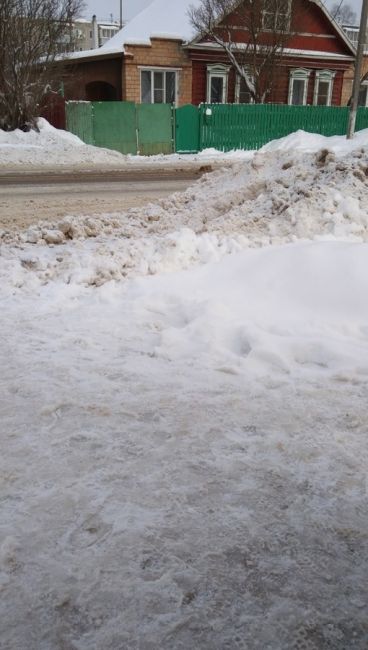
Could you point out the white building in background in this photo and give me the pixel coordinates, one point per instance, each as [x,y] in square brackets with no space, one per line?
[352,32]
[86,34]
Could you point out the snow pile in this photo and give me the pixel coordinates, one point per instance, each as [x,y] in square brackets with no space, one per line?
[46,136]
[276,198]
[48,147]
[312,142]
[278,311]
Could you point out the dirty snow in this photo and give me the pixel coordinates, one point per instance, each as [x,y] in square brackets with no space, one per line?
[184,417]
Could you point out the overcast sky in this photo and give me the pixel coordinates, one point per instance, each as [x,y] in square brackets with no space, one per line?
[103,8]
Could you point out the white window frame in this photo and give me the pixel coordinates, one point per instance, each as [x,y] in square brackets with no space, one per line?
[152,70]
[299,74]
[221,71]
[364,84]
[326,76]
[237,88]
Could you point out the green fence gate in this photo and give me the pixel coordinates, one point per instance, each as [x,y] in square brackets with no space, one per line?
[154,129]
[114,126]
[187,129]
[123,126]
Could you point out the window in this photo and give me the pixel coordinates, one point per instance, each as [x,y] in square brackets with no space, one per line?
[217,76]
[158,86]
[242,94]
[323,88]
[363,94]
[298,87]
[277,16]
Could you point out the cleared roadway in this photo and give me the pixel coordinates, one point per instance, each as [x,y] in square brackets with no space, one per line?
[26,198]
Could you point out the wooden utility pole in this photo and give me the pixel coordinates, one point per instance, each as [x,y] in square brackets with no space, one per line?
[358,70]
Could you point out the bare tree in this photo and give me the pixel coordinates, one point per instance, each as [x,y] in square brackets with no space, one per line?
[344,14]
[30,35]
[265,28]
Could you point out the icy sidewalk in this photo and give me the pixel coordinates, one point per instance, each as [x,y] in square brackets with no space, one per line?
[184,457]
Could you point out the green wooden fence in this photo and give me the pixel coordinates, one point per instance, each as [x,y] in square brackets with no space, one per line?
[250,126]
[79,120]
[158,128]
[123,126]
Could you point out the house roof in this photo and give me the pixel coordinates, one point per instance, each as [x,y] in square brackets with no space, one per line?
[156,20]
[335,25]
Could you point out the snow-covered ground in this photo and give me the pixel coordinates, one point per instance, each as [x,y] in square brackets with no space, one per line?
[53,148]
[184,416]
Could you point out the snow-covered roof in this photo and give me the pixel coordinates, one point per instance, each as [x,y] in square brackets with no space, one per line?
[315,54]
[156,20]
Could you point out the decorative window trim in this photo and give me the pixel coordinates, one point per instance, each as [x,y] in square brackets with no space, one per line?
[218,70]
[237,89]
[299,74]
[152,70]
[325,76]
[364,85]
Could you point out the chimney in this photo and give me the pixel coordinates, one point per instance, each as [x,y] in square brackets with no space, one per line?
[95,43]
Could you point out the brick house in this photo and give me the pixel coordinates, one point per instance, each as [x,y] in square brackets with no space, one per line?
[156,58]
[145,61]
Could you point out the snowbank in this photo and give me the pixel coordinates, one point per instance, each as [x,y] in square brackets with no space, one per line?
[50,147]
[312,142]
[274,203]
[55,148]
[282,311]
[274,198]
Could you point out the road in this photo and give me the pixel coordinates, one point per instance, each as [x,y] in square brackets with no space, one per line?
[30,197]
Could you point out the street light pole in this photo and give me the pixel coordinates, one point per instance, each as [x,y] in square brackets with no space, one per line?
[121,14]
[358,70]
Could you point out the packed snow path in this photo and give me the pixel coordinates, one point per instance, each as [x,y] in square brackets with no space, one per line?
[184,448]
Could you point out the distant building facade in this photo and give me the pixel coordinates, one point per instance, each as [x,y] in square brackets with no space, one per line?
[83,35]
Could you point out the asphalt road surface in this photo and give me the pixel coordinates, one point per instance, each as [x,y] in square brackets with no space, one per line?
[26,198]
